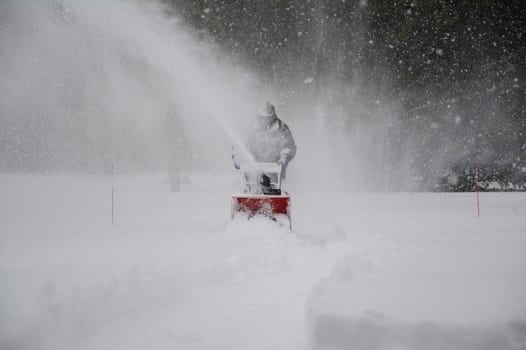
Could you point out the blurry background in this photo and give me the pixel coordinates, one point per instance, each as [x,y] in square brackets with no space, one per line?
[381,96]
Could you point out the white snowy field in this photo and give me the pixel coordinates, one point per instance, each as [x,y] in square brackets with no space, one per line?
[359,271]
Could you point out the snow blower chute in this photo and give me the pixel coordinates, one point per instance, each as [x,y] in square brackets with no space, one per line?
[262,194]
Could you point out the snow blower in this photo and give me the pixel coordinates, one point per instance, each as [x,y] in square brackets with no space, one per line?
[263,195]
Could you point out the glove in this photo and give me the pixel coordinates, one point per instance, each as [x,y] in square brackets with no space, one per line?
[235,158]
[235,162]
[283,161]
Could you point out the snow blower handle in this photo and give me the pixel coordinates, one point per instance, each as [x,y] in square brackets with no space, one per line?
[271,168]
[252,174]
[280,167]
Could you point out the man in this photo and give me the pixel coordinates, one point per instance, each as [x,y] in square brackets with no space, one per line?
[271,141]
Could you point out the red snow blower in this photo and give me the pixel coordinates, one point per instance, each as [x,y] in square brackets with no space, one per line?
[263,195]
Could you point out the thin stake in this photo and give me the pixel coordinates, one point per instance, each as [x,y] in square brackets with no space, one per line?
[477,188]
[112,196]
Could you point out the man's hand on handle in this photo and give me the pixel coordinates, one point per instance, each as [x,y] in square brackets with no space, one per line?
[283,161]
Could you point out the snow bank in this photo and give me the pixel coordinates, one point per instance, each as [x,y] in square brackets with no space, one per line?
[376,331]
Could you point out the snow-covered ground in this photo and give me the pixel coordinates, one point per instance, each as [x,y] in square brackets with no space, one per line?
[359,270]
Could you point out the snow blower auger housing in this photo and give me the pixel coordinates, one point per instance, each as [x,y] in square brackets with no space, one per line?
[262,194]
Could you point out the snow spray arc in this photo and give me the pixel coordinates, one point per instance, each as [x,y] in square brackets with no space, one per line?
[92,81]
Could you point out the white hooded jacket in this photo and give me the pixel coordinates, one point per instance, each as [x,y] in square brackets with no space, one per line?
[272,143]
